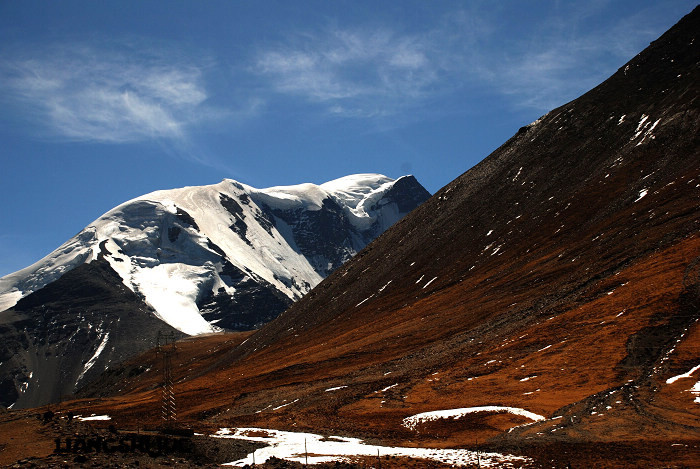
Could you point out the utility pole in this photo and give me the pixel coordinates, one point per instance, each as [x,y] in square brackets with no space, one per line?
[478,454]
[165,347]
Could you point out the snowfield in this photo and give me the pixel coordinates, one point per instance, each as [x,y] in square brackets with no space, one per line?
[294,446]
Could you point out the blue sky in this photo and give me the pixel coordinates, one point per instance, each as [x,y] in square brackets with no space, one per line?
[104,101]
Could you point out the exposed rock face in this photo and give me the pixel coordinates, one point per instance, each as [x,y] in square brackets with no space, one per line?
[69,332]
[195,260]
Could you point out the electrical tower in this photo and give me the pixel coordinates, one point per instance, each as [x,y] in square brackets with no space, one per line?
[165,347]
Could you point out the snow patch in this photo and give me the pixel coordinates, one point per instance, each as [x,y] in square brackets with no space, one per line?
[429,282]
[413,421]
[516,176]
[9,299]
[388,387]
[172,290]
[358,304]
[94,417]
[640,126]
[642,194]
[94,357]
[285,405]
[644,128]
[695,390]
[335,388]
[687,374]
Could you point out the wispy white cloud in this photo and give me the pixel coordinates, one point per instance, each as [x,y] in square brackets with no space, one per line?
[353,72]
[564,59]
[108,94]
[545,78]
[131,93]
[382,72]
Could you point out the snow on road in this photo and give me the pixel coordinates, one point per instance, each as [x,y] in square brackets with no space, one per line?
[295,446]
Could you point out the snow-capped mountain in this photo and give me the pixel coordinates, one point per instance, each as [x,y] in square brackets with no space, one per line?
[199,259]
[185,251]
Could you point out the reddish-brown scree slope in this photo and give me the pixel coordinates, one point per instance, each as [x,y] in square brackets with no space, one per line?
[560,275]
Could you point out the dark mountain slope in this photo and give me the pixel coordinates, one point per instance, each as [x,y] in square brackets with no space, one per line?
[69,332]
[565,185]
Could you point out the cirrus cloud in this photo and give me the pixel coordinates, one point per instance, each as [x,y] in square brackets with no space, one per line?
[383,72]
[353,73]
[107,94]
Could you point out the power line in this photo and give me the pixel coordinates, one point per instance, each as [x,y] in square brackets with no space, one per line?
[166,348]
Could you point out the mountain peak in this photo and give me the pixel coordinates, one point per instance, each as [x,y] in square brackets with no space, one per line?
[222,256]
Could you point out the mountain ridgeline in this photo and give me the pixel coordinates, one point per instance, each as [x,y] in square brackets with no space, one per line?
[187,261]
